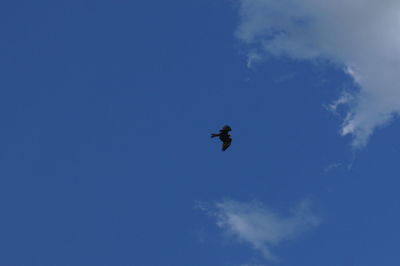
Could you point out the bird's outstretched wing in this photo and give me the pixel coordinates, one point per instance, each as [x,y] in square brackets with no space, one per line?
[226,142]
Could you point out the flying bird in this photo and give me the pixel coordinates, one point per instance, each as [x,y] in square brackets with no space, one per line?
[224,137]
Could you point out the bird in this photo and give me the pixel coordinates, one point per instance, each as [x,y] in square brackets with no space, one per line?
[224,137]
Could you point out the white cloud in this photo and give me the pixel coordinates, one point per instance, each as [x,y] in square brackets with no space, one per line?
[345,98]
[332,167]
[361,36]
[257,225]
[253,57]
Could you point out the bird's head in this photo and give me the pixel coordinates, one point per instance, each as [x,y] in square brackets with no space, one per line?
[226,127]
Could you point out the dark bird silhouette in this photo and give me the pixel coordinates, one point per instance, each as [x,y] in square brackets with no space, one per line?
[224,137]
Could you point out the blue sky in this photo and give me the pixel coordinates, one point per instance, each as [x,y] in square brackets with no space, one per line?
[107,109]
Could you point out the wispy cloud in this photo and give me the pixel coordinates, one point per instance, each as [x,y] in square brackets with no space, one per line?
[360,36]
[255,224]
[252,58]
[331,167]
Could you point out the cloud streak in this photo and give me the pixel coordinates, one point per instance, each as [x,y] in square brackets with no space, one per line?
[360,36]
[255,224]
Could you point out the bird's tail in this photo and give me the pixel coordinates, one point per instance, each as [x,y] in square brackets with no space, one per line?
[213,135]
